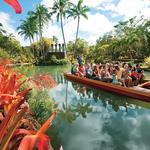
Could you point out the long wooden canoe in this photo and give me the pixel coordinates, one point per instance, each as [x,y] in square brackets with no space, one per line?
[135,92]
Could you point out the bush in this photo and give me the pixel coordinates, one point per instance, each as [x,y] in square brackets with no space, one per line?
[41,105]
[54,61]
[147,61]
[3,53]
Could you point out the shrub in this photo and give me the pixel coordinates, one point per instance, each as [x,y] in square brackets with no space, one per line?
[147,61]
[3,53]
[13,114]
[54,61]
[41,105]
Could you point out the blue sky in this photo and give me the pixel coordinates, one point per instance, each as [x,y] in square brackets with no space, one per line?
[103,15]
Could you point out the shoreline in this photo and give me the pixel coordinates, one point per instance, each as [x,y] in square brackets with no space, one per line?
[19,64]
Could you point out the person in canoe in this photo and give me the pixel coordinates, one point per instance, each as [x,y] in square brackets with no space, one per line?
[75,69]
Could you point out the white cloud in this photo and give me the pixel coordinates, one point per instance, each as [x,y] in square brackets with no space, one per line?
[91,29]
[138,135]
[8,25]
[128,8]
[90,3]
[47,3]
[96,25]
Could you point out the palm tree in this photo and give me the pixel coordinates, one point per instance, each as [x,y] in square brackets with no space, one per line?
[1,29]
[78,11]
[28,29]
[60,8]
[42,16]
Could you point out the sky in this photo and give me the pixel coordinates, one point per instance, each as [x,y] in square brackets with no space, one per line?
[103,15]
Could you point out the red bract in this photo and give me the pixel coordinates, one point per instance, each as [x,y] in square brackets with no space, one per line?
[11,100]
[9,85]
[38,139]
[15,5]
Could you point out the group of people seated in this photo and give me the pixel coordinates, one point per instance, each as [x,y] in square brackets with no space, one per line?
[119,73]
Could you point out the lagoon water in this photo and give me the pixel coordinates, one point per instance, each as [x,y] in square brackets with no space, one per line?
[94,119]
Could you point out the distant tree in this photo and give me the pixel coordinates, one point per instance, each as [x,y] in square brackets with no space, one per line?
[55,39]
[28,29]
[2,31]
[60,8]
[82,47]
[78,11]
[42,16]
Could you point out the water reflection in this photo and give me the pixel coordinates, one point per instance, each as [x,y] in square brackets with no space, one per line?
[97,120]
[72,111]
[115,122]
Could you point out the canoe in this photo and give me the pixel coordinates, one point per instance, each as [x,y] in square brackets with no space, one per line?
[134,92]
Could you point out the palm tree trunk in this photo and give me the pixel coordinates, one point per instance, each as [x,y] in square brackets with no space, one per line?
[30,41]
[40,27]
[37,38]
[62,29]
[76,35]
[40,36]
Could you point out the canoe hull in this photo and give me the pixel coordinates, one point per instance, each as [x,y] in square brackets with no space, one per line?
[145,96]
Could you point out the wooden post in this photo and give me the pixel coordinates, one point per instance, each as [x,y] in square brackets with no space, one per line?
[52,47]
[59,47]
[55,47]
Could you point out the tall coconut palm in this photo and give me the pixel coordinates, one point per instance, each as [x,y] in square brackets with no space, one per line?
[60,8]
[28,29]
[42,16]
[78,11]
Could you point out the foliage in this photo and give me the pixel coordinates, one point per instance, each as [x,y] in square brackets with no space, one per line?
[60,8]
[10,102]
[78,11]
[3,53]
[71,112]
[8,43]
[44,43]
[81,47]
[129,40]
[11,48]
[147,61]
[41,105]
[54,61]
[13,112]
[28,28]
[41,16]
[36,138]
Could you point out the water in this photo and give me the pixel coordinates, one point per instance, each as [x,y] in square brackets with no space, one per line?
[97,120]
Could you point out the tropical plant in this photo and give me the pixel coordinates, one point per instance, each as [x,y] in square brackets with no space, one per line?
[10,101]
[42,17]
[147,61]
[3,53]
[13,112]
[28,29]
[78,11]
[60,8]
[2,31]
[46,44]
[82,47]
